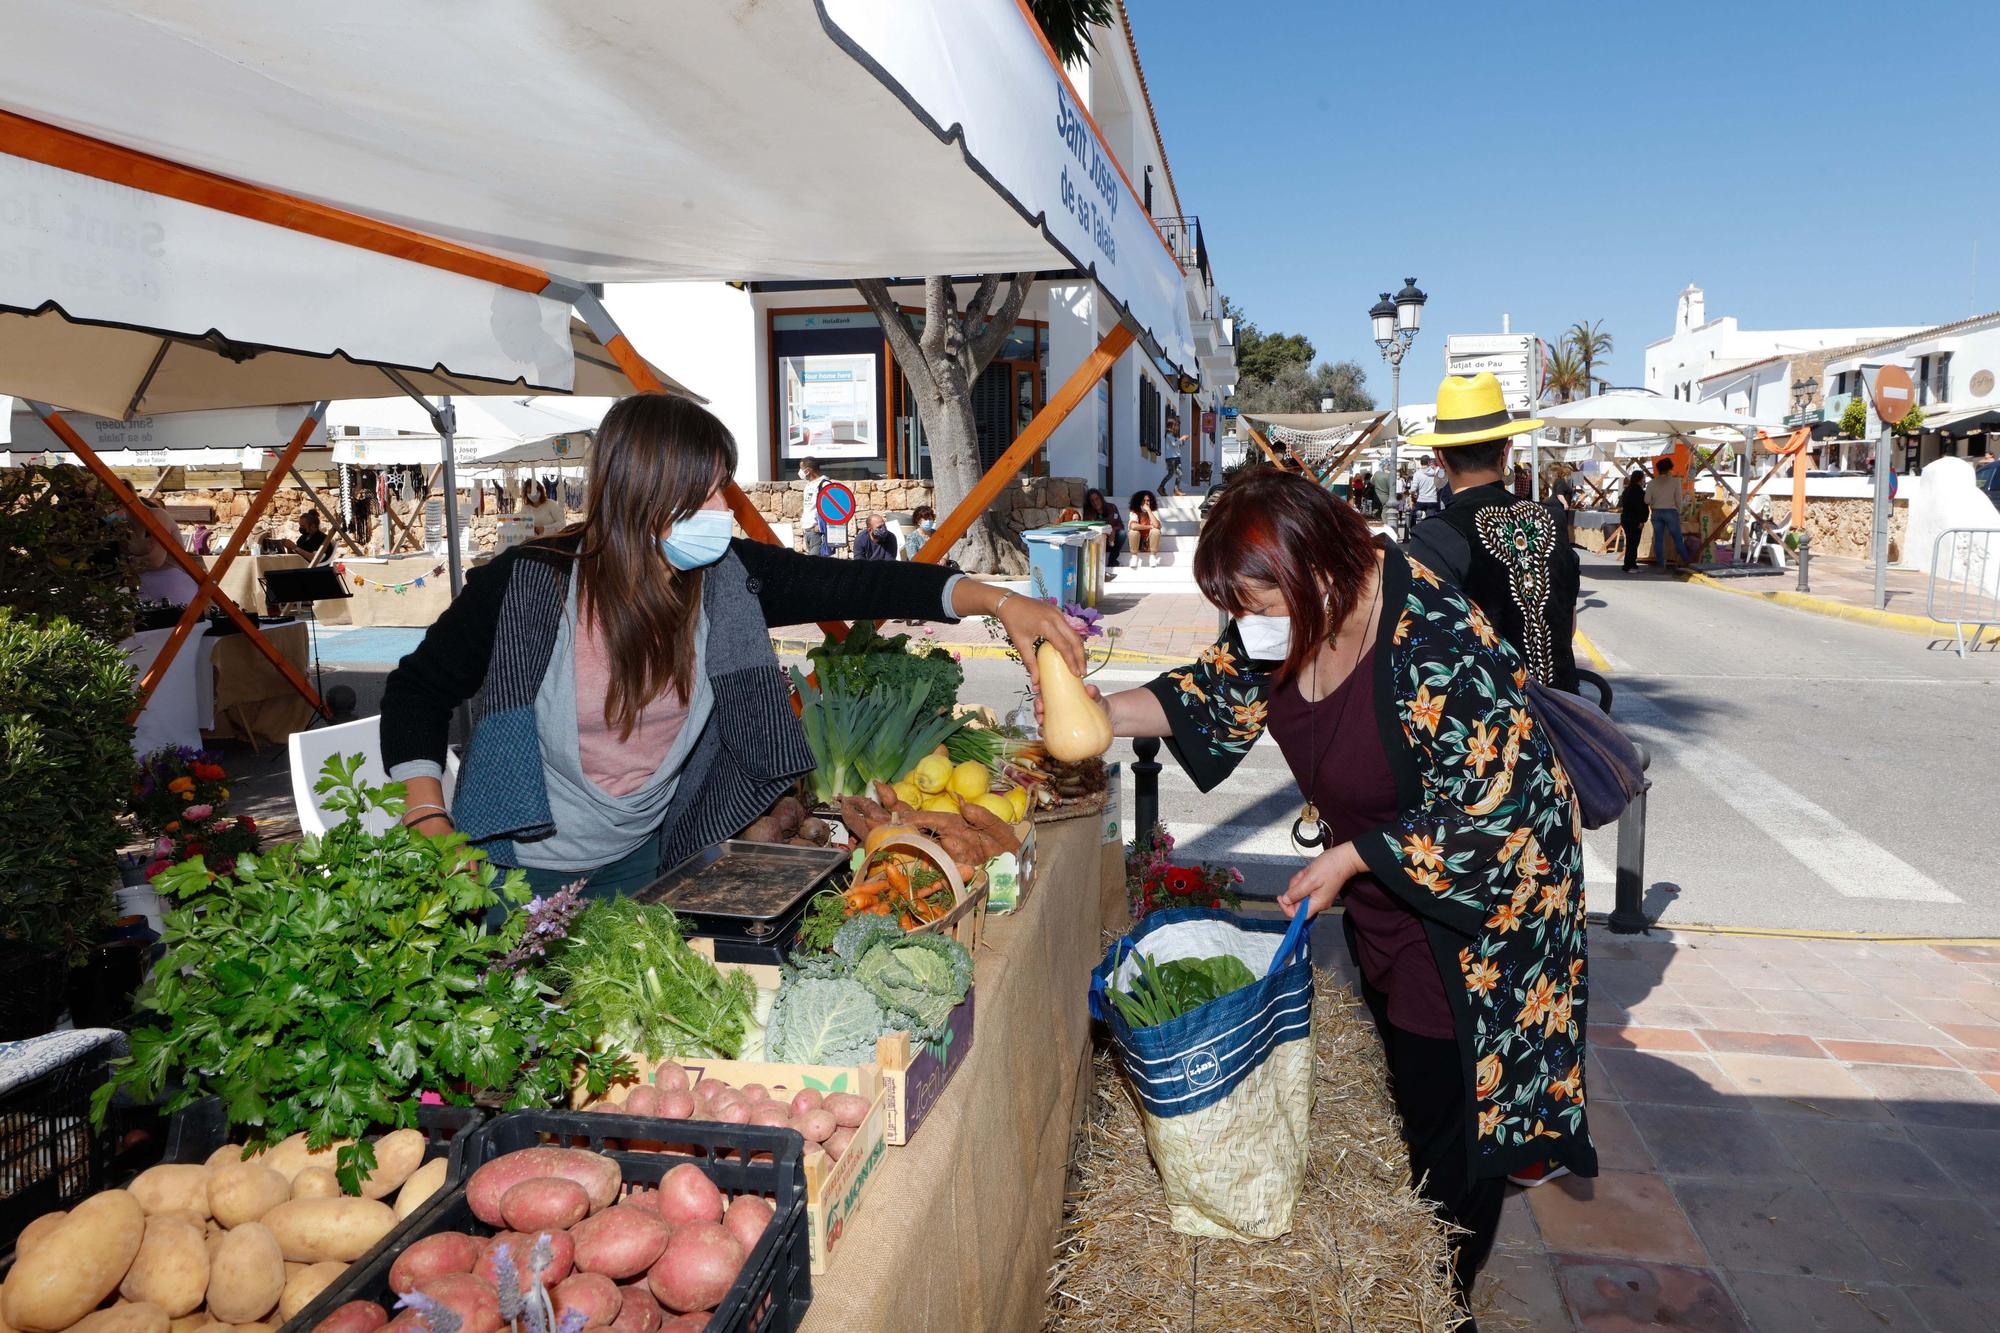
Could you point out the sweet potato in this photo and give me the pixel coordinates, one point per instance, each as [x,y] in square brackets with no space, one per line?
[71,1271]
[622,1242]
[171,1268]
[354,1317]
[545,1203]
[985,821]
[595,1296]
[311,1231]
[246,1274]
[598,1175]
[435,1255]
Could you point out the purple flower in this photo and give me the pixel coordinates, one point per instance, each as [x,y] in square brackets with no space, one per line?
[1083,620]
[198,812]
[163,847]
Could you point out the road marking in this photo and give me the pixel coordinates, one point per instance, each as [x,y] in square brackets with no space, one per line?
[1851,865]
[1221,842]
[1595,869]
[1597,659]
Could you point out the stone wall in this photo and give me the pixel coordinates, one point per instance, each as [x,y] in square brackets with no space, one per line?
[1031,502]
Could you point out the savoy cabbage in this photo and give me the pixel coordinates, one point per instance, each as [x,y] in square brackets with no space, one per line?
[820,1021]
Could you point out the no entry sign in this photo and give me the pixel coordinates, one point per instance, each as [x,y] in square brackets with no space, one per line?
[1894,394]
[836,504]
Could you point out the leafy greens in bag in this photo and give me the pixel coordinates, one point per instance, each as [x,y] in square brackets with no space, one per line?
[1163,991]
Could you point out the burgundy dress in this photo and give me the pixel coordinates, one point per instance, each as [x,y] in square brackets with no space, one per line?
[1355,792]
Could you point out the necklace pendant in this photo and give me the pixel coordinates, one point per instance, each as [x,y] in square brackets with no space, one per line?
[1308,830]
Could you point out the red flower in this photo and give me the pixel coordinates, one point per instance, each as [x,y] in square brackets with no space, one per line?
[247,824]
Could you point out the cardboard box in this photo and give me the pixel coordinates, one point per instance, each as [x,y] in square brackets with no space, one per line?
[914,1079]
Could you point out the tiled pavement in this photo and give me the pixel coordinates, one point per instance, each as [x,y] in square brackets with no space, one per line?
[1794,1134]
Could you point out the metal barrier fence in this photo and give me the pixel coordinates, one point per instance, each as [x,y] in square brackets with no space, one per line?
[1964,585]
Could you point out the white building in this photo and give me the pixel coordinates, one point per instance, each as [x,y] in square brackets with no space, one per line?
[802,368]
[1954,367]
[1700,348]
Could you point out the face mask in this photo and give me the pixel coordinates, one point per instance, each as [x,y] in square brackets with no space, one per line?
[699,540]
[928,525]
[1265,638]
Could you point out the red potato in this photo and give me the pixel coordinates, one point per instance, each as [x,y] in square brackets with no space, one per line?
[624,1241]
[598,1175]
[520,1249]
[838,1141]
[747,1219]
[736,1113]
[544,1203]
[597,1297]
[639,1312]
[354,1317]
[816,1125]
[695,1273]
[710,1087]
[771,1115]
[687,1195]
[848,1110]
[433,1256]
[643,1100]
[667,1076]
[688,1323]
[471,1298]
[676,1104]
[807,1100]
[754,1092]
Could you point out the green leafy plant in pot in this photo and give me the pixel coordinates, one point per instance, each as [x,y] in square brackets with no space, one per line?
[66,766]
[323,986]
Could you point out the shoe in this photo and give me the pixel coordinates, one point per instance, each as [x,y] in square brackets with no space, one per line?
[1541,1173]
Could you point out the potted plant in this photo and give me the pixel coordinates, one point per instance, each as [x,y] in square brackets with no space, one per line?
[66,764]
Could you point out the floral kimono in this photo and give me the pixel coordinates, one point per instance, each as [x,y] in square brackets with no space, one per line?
[1486,849]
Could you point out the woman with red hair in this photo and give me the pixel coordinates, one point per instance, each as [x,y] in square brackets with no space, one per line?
[1448,828]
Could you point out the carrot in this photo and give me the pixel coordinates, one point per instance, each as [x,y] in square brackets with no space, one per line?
[896,876]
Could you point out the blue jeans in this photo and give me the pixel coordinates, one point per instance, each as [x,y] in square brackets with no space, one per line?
[1663,520]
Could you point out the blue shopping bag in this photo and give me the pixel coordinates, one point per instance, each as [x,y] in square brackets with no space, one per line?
[1225,1090]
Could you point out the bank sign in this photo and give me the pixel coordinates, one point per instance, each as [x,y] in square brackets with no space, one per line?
[1518,360]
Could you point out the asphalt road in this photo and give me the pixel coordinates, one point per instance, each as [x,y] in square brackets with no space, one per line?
[1809,773]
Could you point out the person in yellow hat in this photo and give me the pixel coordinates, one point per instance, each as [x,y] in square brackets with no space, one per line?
[1506,554]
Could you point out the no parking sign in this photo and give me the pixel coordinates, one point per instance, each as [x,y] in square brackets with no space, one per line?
[836,504]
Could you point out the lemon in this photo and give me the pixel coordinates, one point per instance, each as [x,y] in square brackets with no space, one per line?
[1017,801]
[995,805]
[970,779]
[931,773]
[909,794]
[942,803]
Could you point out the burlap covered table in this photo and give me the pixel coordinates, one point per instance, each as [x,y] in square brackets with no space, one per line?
[253,700]
[959,1225]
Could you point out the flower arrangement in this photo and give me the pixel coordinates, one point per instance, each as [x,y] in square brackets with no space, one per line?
[178,798]
[1153,882]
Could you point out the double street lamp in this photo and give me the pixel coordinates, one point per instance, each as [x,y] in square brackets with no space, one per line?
[1396,320]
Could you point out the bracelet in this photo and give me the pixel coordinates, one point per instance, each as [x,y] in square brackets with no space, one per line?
[1001,604]
[425,819]
[418,809]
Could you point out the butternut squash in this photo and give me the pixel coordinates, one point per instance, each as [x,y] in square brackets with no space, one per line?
[1074,726]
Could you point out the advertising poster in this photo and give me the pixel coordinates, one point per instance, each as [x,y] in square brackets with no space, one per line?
[829,404]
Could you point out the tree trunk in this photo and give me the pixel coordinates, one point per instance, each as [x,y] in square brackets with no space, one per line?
[953,435]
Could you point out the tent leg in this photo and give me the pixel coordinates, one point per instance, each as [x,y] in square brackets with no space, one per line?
[445,420]
[170,542]
[1258,437]
[1065,400]
[237,539]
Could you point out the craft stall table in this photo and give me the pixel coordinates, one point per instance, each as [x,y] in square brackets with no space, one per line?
[405,590]
[247,699]
[959,1225]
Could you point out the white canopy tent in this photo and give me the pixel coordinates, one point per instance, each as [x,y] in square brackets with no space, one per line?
[1635,410]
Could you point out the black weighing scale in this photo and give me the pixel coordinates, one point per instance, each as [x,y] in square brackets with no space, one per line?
[749,897]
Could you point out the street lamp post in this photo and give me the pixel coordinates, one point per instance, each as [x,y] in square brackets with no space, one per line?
[1396,320]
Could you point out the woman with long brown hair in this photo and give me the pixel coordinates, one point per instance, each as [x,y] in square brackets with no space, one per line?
[1442,818]
[626,703]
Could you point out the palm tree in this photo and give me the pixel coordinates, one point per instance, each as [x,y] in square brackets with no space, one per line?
[1592,344]
[1567,380]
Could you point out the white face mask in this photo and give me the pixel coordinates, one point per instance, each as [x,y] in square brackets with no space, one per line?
[1265,638]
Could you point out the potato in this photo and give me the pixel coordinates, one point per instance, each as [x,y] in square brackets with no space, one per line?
[676,1104]
[807,1100]
[598,1175]
[172,1188]
[595,1296]
[316,1182]
[468,1297]
[229,1154]
[773,1116]
[425,1181]
[747,1219]
[246,1274]
[37,1231]
[621,1242]
[187,1215]
[544,1203]
[70,1272]
[291,1156]
[687,1323]
[397,1156]
[314,1230]
[688,1195]
[245,1191]
[302,1289]
[638,1312]
[697,1269]
[838,1141]
[171,1268]
[354,1317]
[188,1323]
[817,1125]
[733,1113]
[643,1100]
[520,1257]
[261,1326]
[848,1110]
[125,1317]
[433,1256]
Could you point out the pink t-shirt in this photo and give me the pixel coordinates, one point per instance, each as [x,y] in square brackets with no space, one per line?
[618,767]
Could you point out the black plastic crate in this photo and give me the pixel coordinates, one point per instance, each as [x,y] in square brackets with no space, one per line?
[51,1156]
[778,1268]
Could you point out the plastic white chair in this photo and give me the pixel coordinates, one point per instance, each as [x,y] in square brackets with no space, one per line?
[311,749]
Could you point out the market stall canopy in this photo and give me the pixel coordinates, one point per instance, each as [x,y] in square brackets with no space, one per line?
[1637,411]
[1311,421]
[231,438]
[391,431]
[624,140]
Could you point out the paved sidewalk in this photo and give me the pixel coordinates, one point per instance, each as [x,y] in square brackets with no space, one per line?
[1794,1134]
[1844,587]
[1153,626]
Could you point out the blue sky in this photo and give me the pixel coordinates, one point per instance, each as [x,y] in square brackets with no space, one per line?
[1562,162]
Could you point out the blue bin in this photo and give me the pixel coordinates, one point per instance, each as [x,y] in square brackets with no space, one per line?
[1055,563]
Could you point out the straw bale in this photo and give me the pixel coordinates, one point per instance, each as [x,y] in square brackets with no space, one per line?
[1364,1252]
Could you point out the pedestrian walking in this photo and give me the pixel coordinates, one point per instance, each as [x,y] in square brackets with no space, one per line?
[1665,494]
[1144,524]
[1507,554]
[1563,495]
[1632,510]
[1170,484]
[1384,482]
[1424,489]
[1451,834]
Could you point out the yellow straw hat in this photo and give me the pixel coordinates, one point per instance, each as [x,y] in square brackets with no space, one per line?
[1470,410]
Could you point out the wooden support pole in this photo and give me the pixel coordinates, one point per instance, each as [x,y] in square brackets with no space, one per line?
[1005,468]
[337,532]
[157,672]
[171,543]
[1258,436]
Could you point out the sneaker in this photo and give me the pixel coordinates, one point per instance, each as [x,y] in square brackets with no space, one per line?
[1541,1173]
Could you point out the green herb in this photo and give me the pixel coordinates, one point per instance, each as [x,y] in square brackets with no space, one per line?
[860,740]
[327,983]
[824,916]
[1160,992]
[866,659]
[630,977]
[978,745]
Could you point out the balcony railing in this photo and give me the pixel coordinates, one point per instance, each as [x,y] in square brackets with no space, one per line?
[1183,236]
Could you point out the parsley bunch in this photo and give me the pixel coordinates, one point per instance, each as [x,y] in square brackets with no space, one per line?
[323,985]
